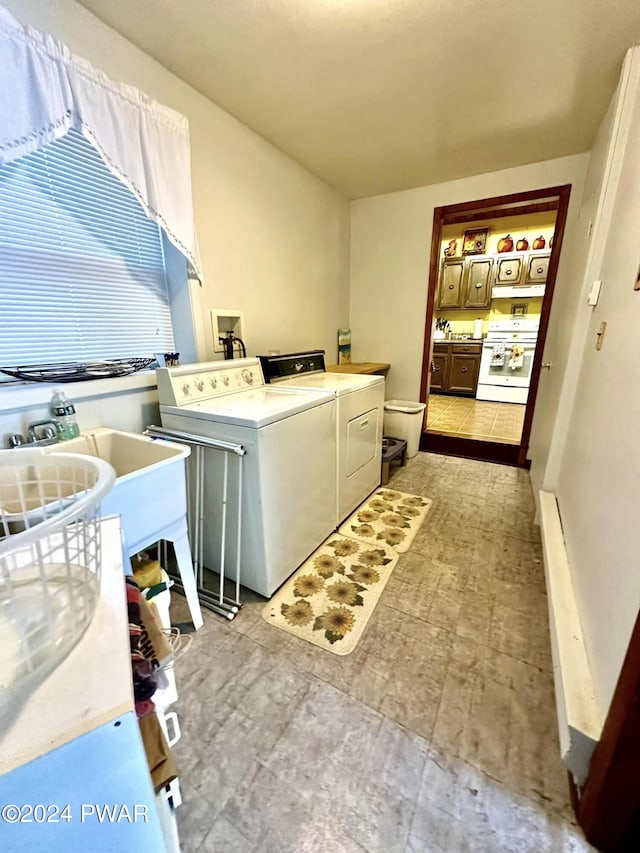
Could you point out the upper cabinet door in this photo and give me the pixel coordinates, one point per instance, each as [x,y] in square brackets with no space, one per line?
[478,290]
[508,270]
[450,295]
[537,268]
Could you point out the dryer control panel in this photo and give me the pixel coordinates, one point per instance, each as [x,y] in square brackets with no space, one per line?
[279,367]
[189,383]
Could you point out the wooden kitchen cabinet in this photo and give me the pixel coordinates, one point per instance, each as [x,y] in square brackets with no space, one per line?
[509,269]
[465,283]
[478,282]
[451,283]
[537,268]
[440,368]
[455,367]
[463,373]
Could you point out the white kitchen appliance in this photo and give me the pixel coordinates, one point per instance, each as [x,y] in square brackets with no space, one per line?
[288,480]
[507,361]
[360,407]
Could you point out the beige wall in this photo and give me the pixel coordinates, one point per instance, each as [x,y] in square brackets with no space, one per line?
[598,481]
[129,403]
[390,250]
[565,343]
[274,239]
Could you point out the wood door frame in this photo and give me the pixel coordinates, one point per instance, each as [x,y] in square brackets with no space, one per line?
[514,204]
[608,805]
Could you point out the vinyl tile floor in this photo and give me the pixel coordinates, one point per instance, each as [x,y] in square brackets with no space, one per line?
[437,734]
[469,418]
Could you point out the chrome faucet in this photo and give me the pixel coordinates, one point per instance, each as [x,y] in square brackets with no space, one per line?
[49,434]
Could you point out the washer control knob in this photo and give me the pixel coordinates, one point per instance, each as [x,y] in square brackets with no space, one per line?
[213,382]
[225,380]
[247,376]
[186,388]
[200,385]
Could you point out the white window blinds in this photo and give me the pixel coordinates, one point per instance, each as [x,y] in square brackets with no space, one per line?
[82,273]
[45,90]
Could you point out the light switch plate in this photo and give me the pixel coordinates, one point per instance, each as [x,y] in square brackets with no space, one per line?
[594,293]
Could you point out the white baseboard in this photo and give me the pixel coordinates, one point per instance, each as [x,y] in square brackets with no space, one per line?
[580,720]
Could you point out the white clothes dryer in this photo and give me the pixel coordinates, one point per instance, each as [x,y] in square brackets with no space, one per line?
[360,400]
[288,481]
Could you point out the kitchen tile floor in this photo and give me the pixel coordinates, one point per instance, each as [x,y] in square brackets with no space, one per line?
[437,735]
[464,416]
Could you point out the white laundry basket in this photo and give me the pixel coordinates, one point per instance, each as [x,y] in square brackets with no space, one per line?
[50,560]
[403,419]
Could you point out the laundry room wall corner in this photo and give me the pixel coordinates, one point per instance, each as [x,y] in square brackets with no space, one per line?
[274,238]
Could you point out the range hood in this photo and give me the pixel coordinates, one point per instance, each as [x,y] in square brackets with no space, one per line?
[515,291]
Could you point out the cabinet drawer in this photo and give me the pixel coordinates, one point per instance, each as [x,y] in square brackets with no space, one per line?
[472,349]
[443,348]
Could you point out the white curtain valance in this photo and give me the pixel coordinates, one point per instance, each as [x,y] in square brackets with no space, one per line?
[45,90]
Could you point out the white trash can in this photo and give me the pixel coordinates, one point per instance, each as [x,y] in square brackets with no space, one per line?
[403,419]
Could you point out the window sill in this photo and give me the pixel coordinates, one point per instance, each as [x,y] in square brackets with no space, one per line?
[14,397]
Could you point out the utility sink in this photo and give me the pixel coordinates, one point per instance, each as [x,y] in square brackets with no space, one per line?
[149,493]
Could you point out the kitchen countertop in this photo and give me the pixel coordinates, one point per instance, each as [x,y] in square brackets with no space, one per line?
[91,686]
[360,367]
[465,341]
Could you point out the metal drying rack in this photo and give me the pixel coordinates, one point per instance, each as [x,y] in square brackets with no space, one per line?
[78,371]
[221,604]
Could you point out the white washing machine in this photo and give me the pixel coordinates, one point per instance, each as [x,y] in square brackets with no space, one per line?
[288,485]
[360,412]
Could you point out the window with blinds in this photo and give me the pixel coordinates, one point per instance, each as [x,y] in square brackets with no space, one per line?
[82,272]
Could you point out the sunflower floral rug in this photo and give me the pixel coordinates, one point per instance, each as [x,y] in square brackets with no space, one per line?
[388,518]
[329,600]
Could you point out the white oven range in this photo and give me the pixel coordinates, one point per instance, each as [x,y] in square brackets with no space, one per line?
[506,363]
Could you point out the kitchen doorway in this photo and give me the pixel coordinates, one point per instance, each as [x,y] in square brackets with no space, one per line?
[491,281]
